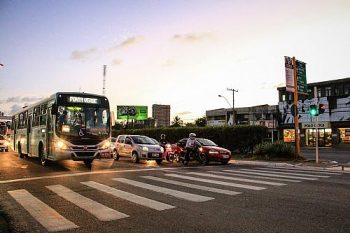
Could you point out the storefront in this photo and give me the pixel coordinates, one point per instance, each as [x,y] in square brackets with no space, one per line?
[324,137]
[344,135]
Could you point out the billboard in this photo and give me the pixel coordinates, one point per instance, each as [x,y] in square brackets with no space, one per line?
[301,75]
[132,112]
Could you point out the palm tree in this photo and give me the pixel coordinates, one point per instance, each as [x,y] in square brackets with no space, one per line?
[177,122]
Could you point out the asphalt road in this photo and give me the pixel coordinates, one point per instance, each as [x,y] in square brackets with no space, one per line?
[125,197]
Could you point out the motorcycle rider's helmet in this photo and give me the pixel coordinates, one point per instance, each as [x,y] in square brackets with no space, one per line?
[192,135]
[162,136]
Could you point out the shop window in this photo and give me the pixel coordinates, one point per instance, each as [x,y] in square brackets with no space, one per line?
[328,91]
[319,92]
[347,89]
[344,134]
[289,135]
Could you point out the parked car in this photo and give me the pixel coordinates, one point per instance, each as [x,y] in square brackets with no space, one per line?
[210,150]
[138,147]
[4,144]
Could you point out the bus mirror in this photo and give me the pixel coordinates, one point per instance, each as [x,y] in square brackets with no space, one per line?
[112,118]
[54,109]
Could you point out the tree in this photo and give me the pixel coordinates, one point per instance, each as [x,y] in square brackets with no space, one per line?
[190,124]
[201,122]
[177,122]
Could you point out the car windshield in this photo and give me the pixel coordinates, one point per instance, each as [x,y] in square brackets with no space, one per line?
[206,142]
[142,140]
[82,121]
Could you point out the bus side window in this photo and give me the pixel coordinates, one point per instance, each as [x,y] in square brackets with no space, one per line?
[43,114]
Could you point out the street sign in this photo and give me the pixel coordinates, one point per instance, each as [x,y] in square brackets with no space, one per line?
[323,125]
[301,75]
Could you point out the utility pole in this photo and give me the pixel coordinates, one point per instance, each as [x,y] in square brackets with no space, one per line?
[296,118]
[104,80]
[233,105]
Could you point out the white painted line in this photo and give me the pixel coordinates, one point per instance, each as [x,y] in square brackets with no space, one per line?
[193,186]
[129,196]
[100,211]
[41,212]
[217,182]
[284,173]
[84,174]
[237,179]
[302,168]
[257,177]
[270,175]
[171,192]
[300,171]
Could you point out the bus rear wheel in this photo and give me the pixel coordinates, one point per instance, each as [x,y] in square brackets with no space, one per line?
[43,160]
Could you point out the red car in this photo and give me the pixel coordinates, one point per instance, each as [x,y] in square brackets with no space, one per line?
[211,151]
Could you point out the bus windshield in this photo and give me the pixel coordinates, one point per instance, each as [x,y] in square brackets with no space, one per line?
[82,121]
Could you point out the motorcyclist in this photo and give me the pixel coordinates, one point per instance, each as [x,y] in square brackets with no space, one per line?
[162,140]
[191,145]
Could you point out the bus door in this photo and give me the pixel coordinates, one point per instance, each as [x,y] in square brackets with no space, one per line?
[29,134]
[49,133]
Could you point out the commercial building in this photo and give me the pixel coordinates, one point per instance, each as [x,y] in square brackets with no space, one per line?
[265,115]
[334,122]
[161,115]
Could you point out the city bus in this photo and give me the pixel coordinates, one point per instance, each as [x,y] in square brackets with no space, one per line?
[67,125]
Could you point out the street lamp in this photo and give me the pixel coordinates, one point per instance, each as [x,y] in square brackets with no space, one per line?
[233,105]
[228,102]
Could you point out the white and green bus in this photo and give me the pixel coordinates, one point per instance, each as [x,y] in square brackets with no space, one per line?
[67,125]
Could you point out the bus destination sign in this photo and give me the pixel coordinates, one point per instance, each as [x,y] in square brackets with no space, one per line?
[84,100]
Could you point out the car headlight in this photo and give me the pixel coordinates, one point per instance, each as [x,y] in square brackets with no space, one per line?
[161,149]
[145,148]
[213,152]
[105,145]
[61,145]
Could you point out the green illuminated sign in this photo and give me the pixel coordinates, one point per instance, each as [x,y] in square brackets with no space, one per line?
[132,113]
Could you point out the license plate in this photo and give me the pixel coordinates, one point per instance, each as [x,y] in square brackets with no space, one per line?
[225,156]
[155,155]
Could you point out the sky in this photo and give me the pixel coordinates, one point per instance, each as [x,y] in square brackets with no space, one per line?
[181,53]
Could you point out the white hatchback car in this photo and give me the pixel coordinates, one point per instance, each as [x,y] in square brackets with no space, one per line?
[138,147]
[4,144]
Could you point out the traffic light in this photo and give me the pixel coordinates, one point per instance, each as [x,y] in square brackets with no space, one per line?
[313,110]
[321,108]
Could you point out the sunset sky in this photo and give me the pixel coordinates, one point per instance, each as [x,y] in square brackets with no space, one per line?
[181,53]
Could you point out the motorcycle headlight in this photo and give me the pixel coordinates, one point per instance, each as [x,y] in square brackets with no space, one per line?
[168,146]
[200,149]
[162,149]
[61,145]
[105,145]
[145,148]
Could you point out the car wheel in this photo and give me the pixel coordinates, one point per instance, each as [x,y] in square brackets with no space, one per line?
[205,159]
[159,161]
[135,157]
[88,163]
[224,162]
[115,154]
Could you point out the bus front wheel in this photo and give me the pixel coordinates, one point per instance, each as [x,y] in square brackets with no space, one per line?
[21,155]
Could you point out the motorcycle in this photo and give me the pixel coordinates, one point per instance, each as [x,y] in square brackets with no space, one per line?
[195,155]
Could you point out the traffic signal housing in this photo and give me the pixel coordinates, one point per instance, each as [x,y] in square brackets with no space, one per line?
[321,108]
[313,111]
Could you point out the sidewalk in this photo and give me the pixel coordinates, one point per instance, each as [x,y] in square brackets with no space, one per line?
[325,165]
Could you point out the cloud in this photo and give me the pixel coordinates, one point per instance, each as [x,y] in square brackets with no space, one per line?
[82,54]
[269,86]
[128,42]
[183,113]
[192,37]
[169,62]
[117,62]
[18,99]
[15,108]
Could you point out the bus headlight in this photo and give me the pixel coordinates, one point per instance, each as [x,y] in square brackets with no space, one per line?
[105,145]
[60,145]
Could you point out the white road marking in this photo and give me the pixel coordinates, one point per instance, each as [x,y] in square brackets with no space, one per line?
[83,174]
[301,171]
[284,173]
[100,211]
[193,186]
[171,192]
[270,175]
[129,196]
[217,182]
[257,177]
[41,212]
[237,179]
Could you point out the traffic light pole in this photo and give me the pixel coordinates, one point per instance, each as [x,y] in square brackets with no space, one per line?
[296,118]
[316,99]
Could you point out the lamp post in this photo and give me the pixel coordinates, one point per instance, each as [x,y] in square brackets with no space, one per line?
[228,102]
[233,105]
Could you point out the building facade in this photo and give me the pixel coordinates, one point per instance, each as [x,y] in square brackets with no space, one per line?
[161,115]
[334,122]
[265,115]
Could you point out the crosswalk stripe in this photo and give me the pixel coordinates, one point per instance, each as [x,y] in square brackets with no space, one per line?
[257,177]
[237,179]
[217,182]
[270,175]
[284,173]
[300,171]
[193,186]
[129,196]
[171,192]
[41,212]
[100,211]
